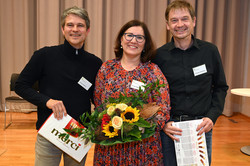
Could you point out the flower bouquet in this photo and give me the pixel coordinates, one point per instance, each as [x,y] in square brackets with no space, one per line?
[123,119]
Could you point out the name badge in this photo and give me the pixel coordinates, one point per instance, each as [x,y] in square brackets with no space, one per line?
[84,83]
[137,84]
[199,70]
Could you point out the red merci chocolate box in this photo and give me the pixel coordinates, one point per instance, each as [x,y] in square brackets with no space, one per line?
[73,124]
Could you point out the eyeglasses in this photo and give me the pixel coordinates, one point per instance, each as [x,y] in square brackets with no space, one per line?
[130,36]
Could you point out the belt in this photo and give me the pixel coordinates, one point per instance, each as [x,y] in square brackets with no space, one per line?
[185,117]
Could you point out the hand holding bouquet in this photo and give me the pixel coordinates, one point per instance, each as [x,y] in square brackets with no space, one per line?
[124,119]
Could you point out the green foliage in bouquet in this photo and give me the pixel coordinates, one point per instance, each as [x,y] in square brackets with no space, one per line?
[120,121]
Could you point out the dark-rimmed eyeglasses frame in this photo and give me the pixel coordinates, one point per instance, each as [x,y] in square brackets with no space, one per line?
[135,37]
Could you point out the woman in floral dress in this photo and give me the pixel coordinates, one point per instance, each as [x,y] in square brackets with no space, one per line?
[133,49]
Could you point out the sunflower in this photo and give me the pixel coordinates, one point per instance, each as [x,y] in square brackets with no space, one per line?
[130,115]
[109,130]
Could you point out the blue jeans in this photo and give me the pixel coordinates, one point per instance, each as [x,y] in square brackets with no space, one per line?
[168,149]
[47,154]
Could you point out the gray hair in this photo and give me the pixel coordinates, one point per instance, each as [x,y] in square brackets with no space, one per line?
[76,11]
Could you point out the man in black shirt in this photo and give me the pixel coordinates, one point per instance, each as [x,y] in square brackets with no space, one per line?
[66,76]
[195,75]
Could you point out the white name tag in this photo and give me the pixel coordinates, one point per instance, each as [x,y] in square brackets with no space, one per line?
[137,84]
[199,70]
[84,83]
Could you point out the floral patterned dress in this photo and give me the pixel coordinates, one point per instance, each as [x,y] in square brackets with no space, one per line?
[112,79]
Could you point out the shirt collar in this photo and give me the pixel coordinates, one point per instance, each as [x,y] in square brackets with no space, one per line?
[195,44]
[70,50]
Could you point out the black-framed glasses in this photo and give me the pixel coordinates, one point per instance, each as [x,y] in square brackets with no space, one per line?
[130,36]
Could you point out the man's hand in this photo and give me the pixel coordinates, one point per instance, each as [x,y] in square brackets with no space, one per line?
[171,131]
[205,126]
[57,107]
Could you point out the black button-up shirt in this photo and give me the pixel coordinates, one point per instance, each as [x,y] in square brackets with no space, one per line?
[200,95]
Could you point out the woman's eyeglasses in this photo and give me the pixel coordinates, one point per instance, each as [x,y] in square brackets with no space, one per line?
[130,36]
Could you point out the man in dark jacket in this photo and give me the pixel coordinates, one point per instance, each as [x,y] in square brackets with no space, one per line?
[66,76]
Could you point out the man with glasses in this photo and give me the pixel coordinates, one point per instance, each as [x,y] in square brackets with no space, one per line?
[196,78]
